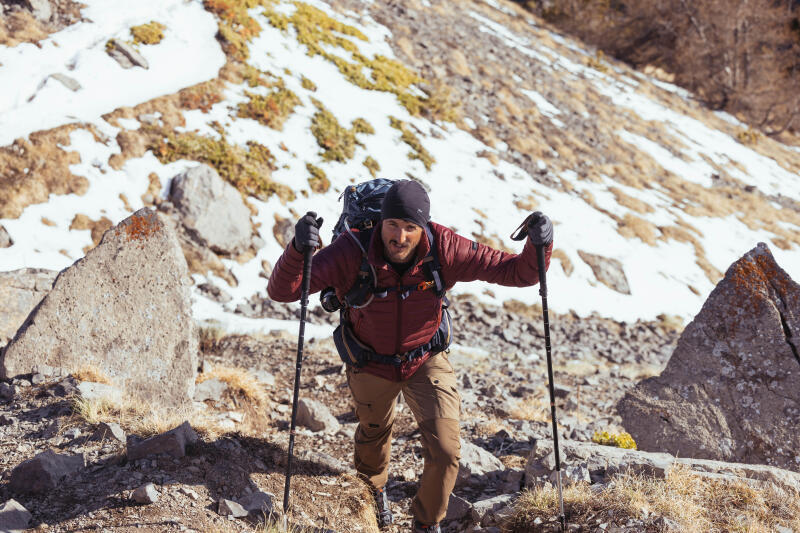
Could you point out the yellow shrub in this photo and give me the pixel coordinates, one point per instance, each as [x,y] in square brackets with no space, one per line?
[150,33]
[620,440]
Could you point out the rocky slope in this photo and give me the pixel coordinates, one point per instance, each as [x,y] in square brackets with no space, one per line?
[653,197]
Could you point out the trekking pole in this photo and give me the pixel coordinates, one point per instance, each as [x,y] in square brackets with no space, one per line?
[305,289]
[543,294]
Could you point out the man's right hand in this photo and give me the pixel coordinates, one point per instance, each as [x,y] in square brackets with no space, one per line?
[306,232]
[540,229]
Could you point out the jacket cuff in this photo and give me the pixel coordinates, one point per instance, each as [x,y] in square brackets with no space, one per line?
[294,259]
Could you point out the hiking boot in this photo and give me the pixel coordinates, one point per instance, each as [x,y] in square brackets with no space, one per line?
[422,528]
[382,504]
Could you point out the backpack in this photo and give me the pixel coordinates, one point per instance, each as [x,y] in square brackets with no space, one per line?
[360,214]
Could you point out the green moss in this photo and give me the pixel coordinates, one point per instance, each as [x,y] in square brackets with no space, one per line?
[318,32]
[150,33]
[111,44]
[246,169]
[417,150]
[255,77]
[337,142]
[360,125]
[390,75]
[372,165]
[308,84]
[598,62]
[271,110]
[318,181]
[748,136]
[439,104]
[236,26]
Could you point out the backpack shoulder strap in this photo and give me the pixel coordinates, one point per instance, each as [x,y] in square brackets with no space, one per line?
[431,264]
[362,292]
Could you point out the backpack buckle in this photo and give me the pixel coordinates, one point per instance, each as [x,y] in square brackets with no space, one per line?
[425,285]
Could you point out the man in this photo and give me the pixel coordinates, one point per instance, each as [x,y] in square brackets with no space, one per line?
[398,323]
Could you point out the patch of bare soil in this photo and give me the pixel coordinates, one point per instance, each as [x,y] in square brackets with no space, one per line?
[97,227]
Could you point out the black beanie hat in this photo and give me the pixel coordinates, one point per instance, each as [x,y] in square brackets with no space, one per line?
[407,200]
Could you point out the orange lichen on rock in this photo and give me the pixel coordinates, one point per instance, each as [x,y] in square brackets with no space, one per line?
[753,277]
[140,227]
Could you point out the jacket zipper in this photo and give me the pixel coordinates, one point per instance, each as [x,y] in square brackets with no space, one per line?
[398,369]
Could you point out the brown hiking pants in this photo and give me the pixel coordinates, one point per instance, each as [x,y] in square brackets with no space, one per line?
[433,399]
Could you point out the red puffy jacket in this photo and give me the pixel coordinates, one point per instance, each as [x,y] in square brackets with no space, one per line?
[392,325]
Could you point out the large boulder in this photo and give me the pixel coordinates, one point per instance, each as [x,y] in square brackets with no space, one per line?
[603,462]
[731,390]
[44,472]
[125,308]
[172,442]
[475,462]
[608,271]
[316,416]
[14,517]
[212,210]
[21,291]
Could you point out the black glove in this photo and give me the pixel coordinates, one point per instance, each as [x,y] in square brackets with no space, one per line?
[306,232]
[540,229]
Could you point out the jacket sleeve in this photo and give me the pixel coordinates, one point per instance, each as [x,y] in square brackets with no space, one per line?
[466,260]
[336,266]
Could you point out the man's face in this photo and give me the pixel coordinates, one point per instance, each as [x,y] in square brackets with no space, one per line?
[400,239]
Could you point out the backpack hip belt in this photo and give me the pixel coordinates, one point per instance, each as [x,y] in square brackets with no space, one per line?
[355,353]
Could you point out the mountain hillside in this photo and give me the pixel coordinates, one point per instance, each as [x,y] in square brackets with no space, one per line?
[496,114]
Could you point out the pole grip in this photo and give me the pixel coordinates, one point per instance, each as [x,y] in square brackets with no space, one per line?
[540,263]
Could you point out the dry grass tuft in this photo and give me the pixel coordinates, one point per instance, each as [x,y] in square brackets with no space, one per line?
[240,382]
[94,411]
[210,336]
[533,311]
[92,373]
[632,226]
[696,503]
[670,322]
[20,27]
[630,202]
[534,409]
[140,418]
[526,203]
[493,241]
[97,227]
[565,261]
